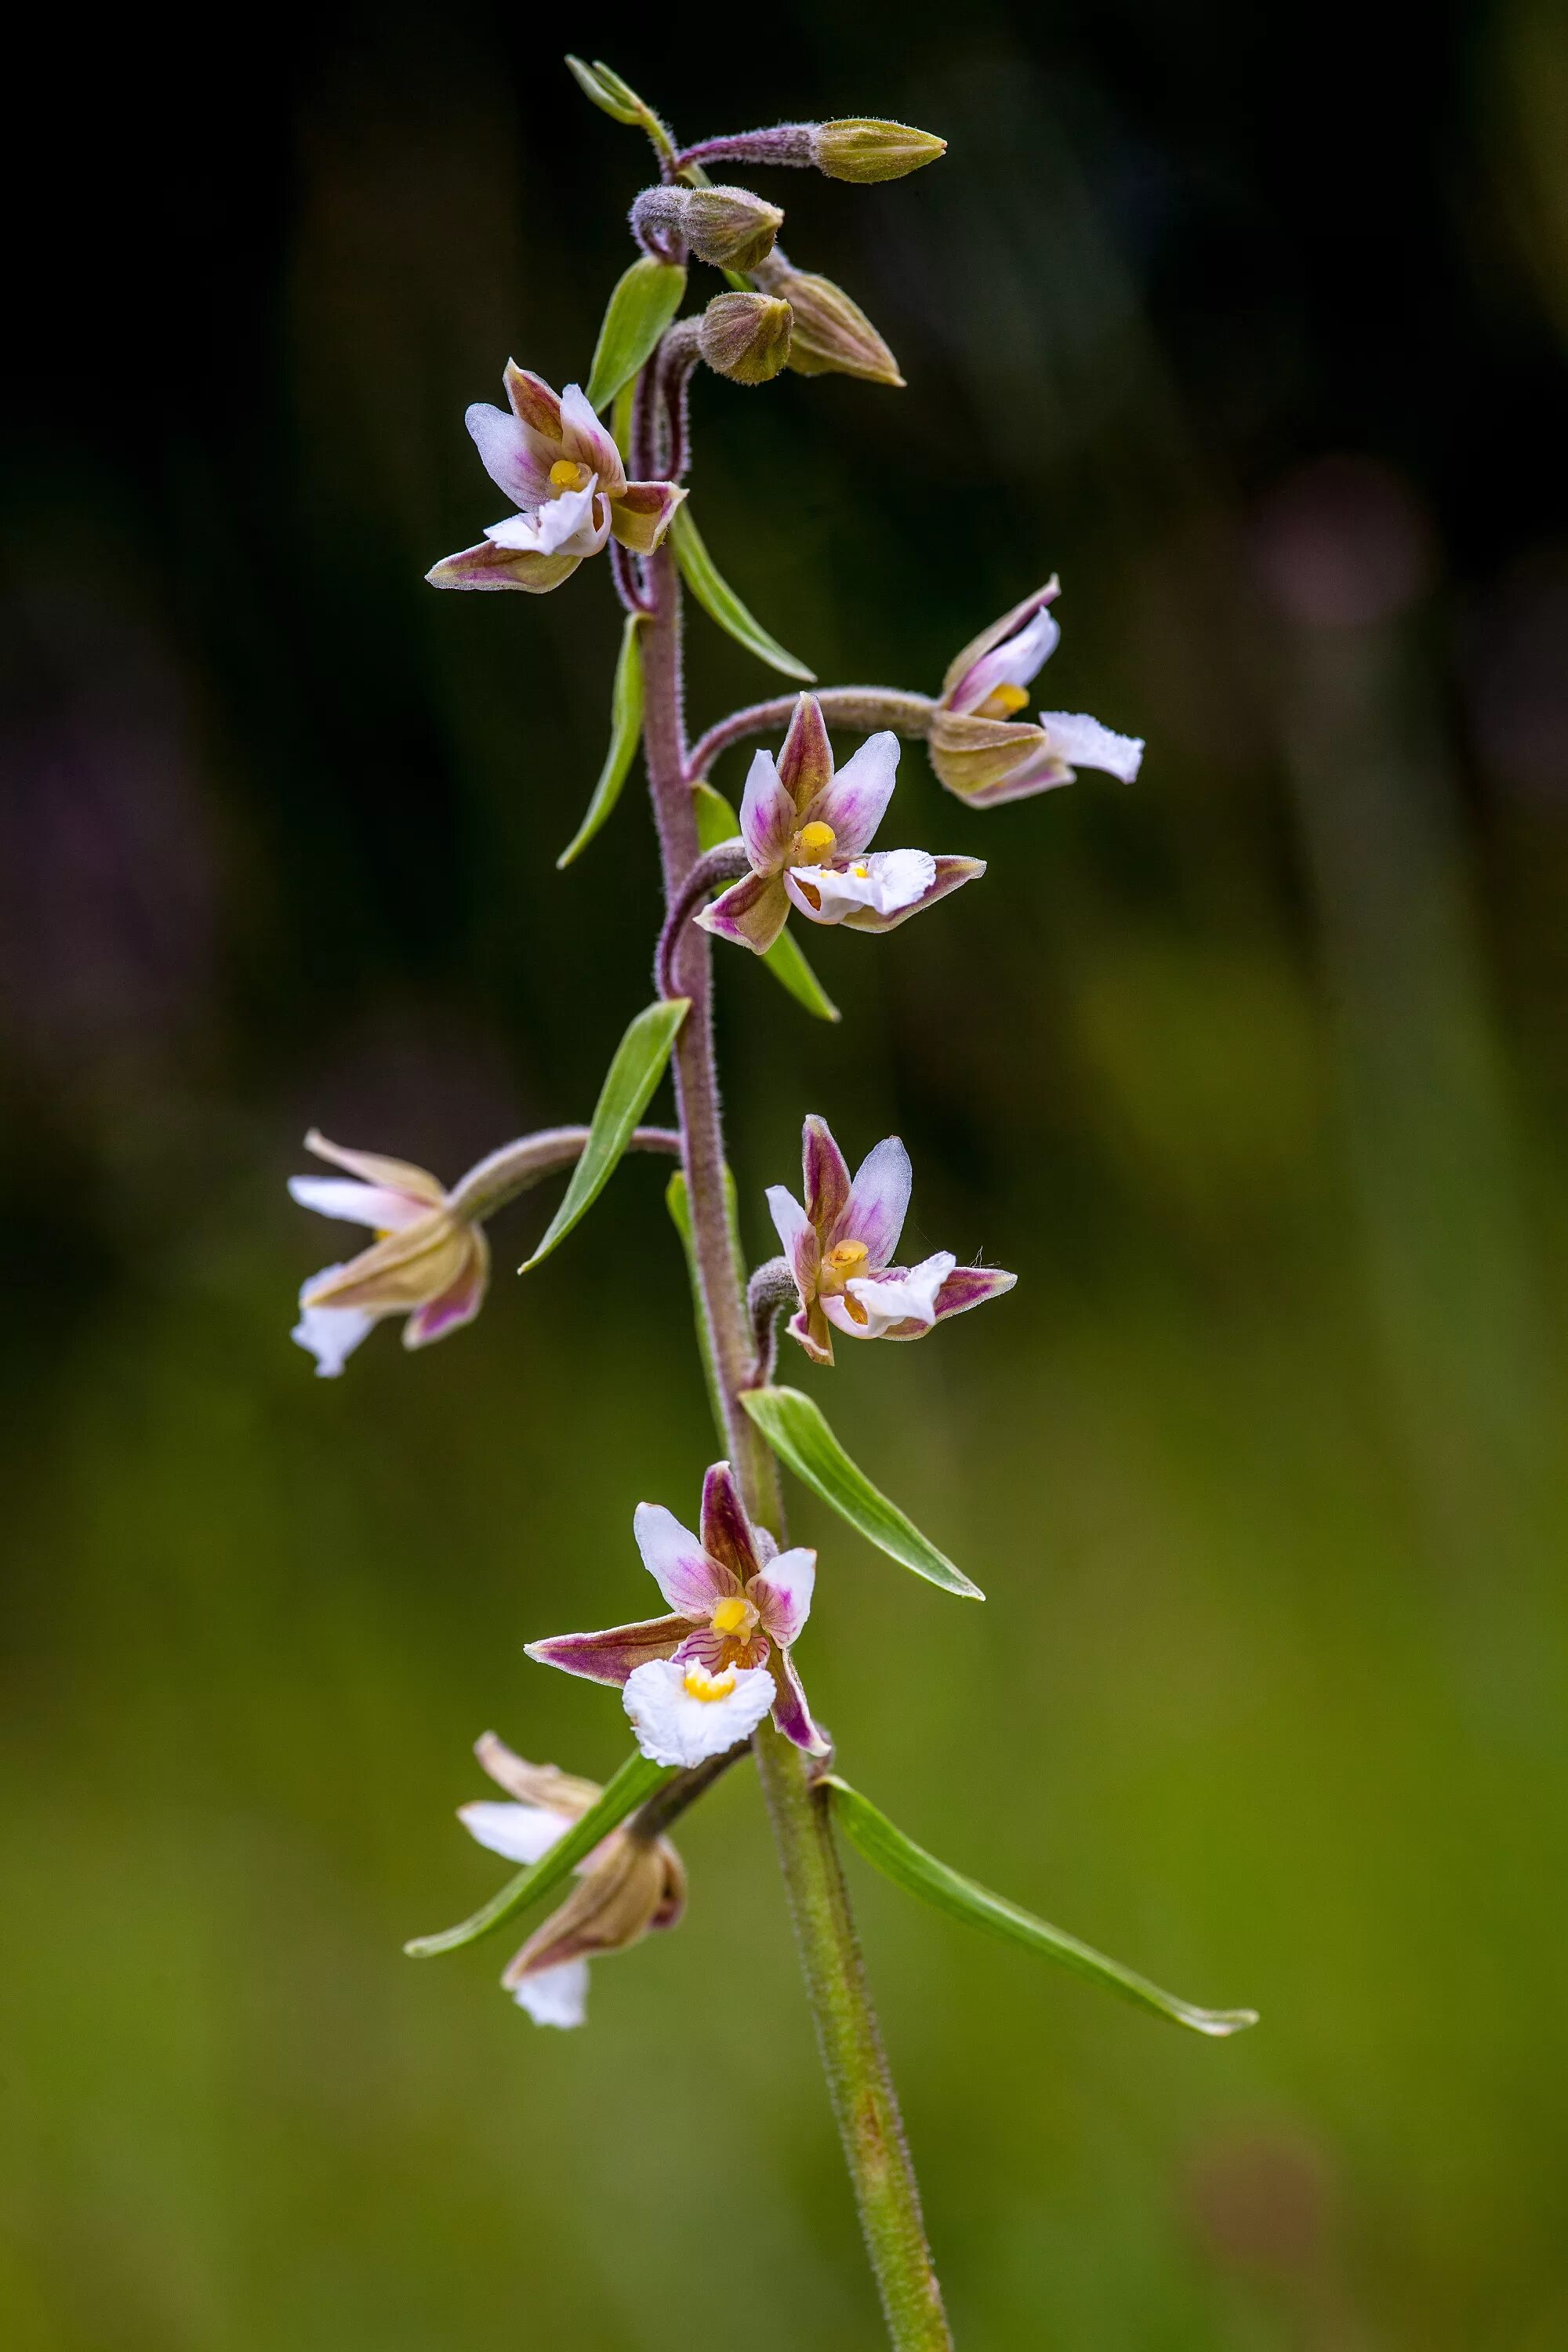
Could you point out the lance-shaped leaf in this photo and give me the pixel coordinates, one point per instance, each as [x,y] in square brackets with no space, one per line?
[919,1872]
[718,600]
[632,1077]
[625,734]
[677,1201]
[637,1780]
[644,301]
[794,1427]
[717,822]
[617,99]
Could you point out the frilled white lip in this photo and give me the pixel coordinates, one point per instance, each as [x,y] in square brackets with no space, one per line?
[571,524]
[884,880]
[1083,742]
[886,1299]
[673,1728]
[556,1996]
[331,1334]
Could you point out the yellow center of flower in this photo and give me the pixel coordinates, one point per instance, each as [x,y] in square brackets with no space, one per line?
[567,475]
[700,1683]
[844,1256]
[863,872]
[730,1614]
[1002,701]
[815,842]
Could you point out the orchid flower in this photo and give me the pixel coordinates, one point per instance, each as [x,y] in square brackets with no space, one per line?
[840,1246]
[808,833]
[977,751]
[698,1682]
[627,1887]
[427,1262]
[555,457]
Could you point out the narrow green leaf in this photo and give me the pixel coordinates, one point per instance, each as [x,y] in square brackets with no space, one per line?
[637,1780]
[678,1202]
[625,734]
[594,85]
[621,417]
[633,1074]
[919,1872]
[794,1427]
[717,822]
[718,600]
[643,304]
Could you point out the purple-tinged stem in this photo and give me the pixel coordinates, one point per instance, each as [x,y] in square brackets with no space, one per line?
[792,144]
[725,864]
[861,709]
[505,1172]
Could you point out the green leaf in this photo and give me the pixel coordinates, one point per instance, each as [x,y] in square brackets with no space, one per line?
[644,302]
[919,1872]
[633,1074]
[625,734]
[678,1202]
[635,1780]
[716,823]
[718,600]
[794,1427]
[621,417]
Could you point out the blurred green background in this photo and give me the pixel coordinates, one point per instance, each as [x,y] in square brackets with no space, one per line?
[1251,326]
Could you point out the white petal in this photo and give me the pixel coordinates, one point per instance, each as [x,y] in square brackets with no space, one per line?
[568,524]
[690,1582]
[556,1996]
[516,1833]
[886,880]
[360,1204]
[1085,743]
[673,1728]
[330,1333]
[906,1297]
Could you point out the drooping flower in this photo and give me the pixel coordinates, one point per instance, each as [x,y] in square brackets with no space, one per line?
[978,750]
[555,457]
[698,1682]
[808,833]
[427,1262]
[627,1887]
[840,1248]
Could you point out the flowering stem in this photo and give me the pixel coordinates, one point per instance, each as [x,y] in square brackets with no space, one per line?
[863,2103]
[863,709]
[502,1174]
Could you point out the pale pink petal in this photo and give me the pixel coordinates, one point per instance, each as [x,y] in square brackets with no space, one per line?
[855,801]
[798,1235]
[950,874]
[706,1646]
[359,1204]
[972,1286]
[586,440]
[677,1564]
[877,1205]
[768,816]
[516,1833]
[612,1655]
[457,1304]
[1012,663]
[826,1174]
[751,912]
[642,512]
[488,566]
[726,1529]
[1042,771]
[806,761]
[375,1168]
[812,1332]
[509,455]
[1085,743]
[782,1594]
[998,631]
[533,403]
[791,1712]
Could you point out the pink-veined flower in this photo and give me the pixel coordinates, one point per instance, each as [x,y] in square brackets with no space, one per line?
[977,750]
[425,1263]
[807,833]
[840,1248]
[627,1888]
[699,1681]
[552,456]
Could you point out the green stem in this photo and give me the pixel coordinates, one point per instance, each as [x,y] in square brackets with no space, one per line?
[860,2084]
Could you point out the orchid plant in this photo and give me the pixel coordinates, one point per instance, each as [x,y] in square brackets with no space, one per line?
[603,469]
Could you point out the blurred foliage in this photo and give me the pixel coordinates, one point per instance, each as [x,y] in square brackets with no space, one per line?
[1254,1073]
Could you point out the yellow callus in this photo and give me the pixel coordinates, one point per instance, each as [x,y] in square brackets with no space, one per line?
[700,1683]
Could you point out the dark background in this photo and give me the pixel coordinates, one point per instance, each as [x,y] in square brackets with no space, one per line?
[1248,323]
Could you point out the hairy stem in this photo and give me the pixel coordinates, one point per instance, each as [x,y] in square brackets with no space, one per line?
[862,708]
[510,1170]
[860,2084]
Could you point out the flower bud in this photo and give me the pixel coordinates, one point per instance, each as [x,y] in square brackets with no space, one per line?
[730,228]
[859,148]
[832,335]
[745,336]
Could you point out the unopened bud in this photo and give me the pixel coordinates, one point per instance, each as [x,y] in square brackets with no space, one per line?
[832,335]
[745,336]
[730,228]
[859,148]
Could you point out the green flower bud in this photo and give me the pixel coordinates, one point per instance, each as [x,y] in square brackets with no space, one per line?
[859,148]
[745,337]
[832,335]
[730,228]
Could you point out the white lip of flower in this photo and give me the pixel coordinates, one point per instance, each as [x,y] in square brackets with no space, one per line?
[330,1333]
[885,880]
[682,1715]
[570,523]
[880,1301]
[1083,742]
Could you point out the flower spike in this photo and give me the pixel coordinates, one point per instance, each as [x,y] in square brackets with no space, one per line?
[807,832]
[840,1245]
[697,1681]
